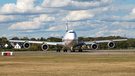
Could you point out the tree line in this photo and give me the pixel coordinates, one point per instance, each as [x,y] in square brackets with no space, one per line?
[130,43]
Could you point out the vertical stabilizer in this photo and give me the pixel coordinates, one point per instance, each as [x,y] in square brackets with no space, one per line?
[67,26]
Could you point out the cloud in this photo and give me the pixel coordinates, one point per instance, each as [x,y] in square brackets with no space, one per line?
[88,17]
[111,18]
[25,25]
[86,0]
[118,32]
[13,18]
[25,7]
[79,15]
[35,23]
[44,17]
[4,18]
[54,35]
[12,35]
[20,6]
[76,4]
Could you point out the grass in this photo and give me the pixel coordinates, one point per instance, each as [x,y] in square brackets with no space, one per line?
[67,65]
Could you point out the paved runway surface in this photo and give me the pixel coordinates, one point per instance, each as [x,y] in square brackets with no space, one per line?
[91,52]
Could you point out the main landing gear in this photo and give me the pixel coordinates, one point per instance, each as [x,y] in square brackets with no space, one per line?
[65,50]
[80,49]
[57,50]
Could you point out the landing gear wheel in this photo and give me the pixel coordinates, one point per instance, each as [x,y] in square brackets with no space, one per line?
[73,50]
[58,50]
[80,50]
[65,50]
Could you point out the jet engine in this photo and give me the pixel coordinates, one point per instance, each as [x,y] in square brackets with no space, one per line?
[94,46]
[26,45]
[45,47]
[111,44]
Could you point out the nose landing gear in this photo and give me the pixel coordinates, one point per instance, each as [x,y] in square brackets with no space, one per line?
[72,49]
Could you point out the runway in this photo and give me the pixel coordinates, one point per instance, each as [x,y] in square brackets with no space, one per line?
[90,52]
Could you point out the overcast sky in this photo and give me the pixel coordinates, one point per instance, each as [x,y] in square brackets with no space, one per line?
[45,18]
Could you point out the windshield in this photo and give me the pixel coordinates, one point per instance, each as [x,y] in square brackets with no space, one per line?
[71,32]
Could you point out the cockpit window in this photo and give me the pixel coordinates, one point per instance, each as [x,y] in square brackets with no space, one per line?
[71,32]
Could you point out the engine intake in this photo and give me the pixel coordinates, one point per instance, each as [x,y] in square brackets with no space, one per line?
[45,47]
[26,45]
[94,46]
[111,44]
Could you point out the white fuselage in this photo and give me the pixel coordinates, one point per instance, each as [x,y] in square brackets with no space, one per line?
[70,39]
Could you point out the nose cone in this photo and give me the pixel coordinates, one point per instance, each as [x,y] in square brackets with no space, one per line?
[72,34]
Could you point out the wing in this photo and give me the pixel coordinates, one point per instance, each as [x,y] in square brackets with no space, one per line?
[101,41]
[38,42]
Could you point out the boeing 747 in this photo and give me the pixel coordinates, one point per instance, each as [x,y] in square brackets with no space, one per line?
[69,41]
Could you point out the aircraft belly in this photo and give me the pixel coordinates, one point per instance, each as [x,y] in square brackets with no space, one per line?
[70,43]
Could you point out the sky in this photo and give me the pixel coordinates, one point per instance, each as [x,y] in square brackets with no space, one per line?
[47,18]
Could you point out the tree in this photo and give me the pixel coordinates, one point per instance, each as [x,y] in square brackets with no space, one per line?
[80,39]
[86,39]
[96,39]
[34,39]
[4,40]
[15,38]
[25,38]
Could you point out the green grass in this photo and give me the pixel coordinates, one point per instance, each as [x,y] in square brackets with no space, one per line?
[67,65]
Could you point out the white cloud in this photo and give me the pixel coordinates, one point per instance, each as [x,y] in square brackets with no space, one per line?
[21,6]
[25,25]
[51,29]
[111,18]
[25,7]
[56,28]
[133,11]
[12,35]
[55,3]
[4,18]
[27,31]
[44,17]
[130,17]
[79,15]
[35,23]
[119,32]
[12,18]
[54,35]
[72,4]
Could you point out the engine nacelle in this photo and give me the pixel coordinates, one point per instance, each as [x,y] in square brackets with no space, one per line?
[94,46]
[111,44]
[45,47]
[26,45]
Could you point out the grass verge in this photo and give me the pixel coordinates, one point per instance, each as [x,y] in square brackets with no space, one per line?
[67,65]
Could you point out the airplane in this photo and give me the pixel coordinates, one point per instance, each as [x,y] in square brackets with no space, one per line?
[69,41]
